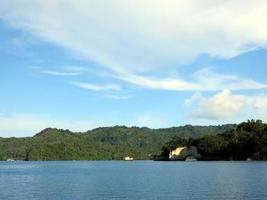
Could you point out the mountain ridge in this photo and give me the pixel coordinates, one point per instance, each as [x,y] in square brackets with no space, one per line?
[103,143]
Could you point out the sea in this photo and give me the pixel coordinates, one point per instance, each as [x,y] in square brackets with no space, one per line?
[97,180]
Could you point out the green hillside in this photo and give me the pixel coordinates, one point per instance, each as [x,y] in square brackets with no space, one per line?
[108,143]
[247,140]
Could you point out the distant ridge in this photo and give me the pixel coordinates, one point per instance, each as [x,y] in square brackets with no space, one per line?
[103,143]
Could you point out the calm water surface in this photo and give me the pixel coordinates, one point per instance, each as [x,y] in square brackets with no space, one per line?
[81,180]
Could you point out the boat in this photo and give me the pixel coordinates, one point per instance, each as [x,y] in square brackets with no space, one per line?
[128,158]
[190,159]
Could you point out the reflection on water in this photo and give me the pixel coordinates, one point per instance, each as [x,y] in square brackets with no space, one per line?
[70,180]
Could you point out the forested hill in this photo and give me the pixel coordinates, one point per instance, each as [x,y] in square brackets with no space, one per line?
[99,144]
[246,141]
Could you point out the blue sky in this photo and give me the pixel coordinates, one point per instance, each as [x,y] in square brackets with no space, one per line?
[84,64]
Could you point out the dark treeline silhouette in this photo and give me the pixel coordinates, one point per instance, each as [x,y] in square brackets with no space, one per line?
[247,140]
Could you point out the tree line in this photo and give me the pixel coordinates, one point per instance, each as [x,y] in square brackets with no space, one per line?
[247,140]
[104,143]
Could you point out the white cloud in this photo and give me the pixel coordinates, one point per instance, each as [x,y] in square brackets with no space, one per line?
[225,105]
[210,80]
[63,71]
[60,73]
[97,87]
[131,37]
[159,83]
[195,97]
[202,80]
[222,105]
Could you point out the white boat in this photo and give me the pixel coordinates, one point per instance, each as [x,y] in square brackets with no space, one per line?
[128,158]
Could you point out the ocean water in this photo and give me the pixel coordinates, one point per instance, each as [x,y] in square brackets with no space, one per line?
[82,180]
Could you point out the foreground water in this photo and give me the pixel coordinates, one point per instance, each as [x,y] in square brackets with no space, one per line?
[82,180]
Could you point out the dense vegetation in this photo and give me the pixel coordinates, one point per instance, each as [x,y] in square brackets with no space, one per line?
[109,143]
[247,140]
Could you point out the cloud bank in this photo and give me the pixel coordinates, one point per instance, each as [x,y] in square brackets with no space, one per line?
[225,105]
[141,36]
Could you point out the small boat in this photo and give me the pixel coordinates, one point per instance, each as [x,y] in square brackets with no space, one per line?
[128,158]
[190,159]
[10,160]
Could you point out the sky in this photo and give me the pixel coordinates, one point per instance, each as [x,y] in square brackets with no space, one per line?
[83,64]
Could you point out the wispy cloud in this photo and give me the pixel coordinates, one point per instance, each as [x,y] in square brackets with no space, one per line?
[158,83]
[202,80]
[60,73]
[97,87]
[63,71]
[117,97]
[135,42]
[210,80]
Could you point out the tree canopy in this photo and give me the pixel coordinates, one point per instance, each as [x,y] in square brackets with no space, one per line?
[247,140]
[105,143]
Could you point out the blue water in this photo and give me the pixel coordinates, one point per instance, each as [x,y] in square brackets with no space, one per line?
[82,180]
